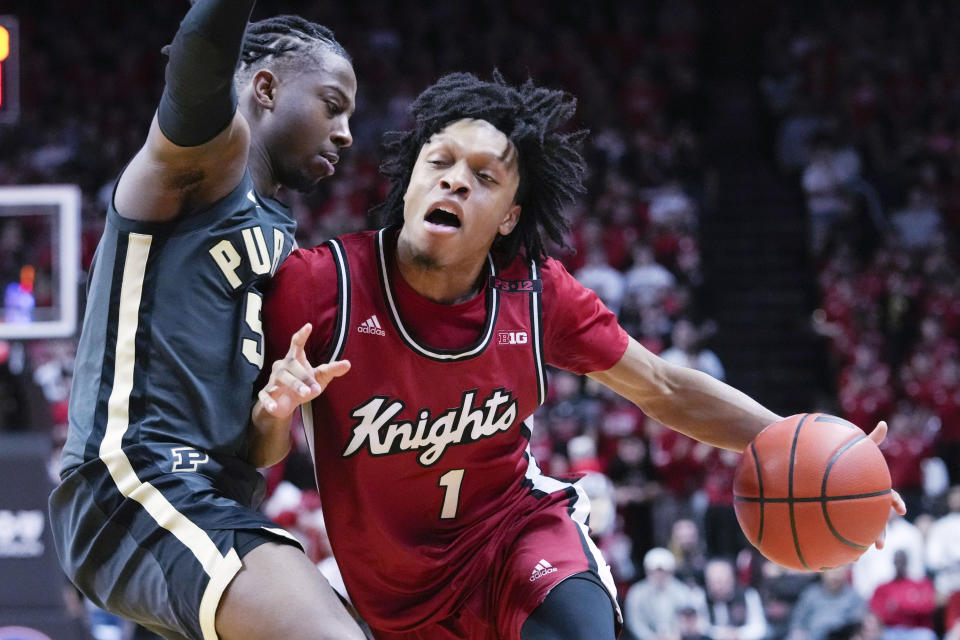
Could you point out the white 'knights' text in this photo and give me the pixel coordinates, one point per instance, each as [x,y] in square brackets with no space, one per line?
[430,436]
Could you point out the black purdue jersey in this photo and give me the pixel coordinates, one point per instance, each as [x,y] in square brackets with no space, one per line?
[172,342]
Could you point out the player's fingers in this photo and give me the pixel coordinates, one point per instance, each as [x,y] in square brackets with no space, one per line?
[298,368]
[879,433]
[302,386]
[327,372]
[882,539]
[269,404]
[898,504]
[298,340]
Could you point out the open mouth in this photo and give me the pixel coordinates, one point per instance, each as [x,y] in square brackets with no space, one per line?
[443,218]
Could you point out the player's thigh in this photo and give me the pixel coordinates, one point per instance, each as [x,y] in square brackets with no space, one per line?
[279,593]
[548,546]
[579,608]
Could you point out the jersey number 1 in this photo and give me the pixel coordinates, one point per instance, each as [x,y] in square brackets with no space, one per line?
[451,498]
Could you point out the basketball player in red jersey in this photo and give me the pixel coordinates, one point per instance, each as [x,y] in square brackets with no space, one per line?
[441,522]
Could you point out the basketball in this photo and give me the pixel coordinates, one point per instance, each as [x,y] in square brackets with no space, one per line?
[812,492]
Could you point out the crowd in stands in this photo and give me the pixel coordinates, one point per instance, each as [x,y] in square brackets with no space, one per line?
[863,103]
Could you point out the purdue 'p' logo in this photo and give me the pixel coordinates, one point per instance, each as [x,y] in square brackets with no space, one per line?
[188,458]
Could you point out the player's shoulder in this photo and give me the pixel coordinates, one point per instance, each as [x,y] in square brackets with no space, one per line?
[306,262]
[554,274]
[553,267]
[357,240]
[321,257]
[521,263]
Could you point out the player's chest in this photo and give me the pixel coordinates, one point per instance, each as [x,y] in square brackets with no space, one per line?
[400,400]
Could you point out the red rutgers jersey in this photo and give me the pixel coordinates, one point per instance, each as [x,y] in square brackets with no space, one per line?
[422,453]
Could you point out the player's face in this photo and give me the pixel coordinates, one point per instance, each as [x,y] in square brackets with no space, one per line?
[461,194]
[309,122]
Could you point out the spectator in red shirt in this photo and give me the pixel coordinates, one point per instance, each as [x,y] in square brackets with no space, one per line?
[904,605]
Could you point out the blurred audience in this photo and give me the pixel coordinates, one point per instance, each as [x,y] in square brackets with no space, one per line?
[826,605]
[652,605]
[861,101]
[876,566]
[734,611]
[904,605]
[943,547]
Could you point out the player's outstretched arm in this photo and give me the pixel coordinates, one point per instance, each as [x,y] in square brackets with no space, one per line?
[293,381]
[686,400]
[196,149]
[698,405]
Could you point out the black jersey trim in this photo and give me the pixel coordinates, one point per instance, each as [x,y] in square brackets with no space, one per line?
[536,323]
[107,365]
[339,339]
[440,355]
[122,469]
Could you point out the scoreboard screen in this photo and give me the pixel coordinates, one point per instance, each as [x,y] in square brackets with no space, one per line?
[9,70]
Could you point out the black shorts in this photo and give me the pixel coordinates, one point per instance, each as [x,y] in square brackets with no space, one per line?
[156,545]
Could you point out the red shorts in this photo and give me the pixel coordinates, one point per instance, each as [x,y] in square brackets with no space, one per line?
[537,553]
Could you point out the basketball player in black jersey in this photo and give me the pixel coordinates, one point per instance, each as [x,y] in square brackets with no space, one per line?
[154,518]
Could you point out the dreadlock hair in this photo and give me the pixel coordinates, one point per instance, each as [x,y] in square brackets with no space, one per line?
[550,165]
[283,36]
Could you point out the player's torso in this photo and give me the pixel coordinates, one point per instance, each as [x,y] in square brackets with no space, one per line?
[420,450]
[172,342]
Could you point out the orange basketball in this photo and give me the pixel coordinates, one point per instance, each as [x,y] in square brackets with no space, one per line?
[812,491]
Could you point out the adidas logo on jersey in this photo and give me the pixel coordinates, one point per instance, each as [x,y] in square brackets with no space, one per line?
[543,568]
[371,325]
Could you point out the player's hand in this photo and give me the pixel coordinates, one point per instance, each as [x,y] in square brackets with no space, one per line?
[293,380]
[897,504]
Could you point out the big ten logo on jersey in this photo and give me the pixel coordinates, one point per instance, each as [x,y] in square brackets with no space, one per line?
[518,286]
[21,533]
[512,337]
[188,458]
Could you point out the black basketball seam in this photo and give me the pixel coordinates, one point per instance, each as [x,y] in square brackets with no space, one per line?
[793,515]
[823,493]
[756,463]
[852,496]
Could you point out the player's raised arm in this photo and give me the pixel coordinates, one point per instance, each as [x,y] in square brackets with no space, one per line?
[196,150]
[293,381]
[686,400]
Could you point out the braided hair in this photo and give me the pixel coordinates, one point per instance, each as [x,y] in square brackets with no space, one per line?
[551,167]
[283,36]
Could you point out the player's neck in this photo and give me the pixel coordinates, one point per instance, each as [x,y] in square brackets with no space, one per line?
[445,284]
[260,171]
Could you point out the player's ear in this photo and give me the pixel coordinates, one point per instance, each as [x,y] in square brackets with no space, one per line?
[264,88]
[510,220]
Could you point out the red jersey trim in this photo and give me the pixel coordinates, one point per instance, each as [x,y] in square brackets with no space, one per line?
[339,338]
[536,323]
[444,355]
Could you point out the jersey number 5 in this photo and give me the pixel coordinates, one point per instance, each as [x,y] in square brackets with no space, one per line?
[253,349]
[451,498]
